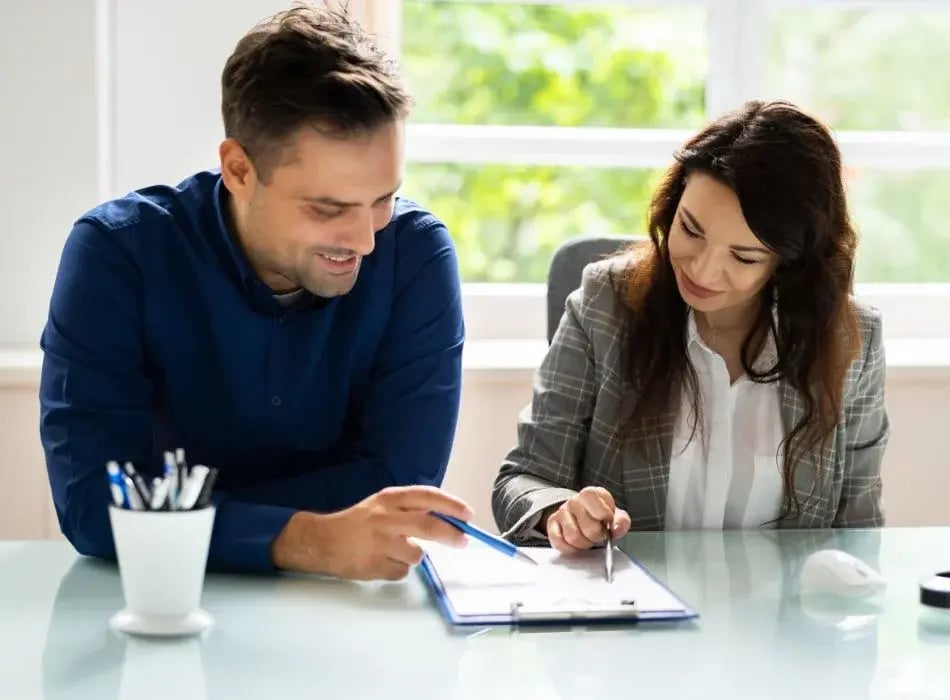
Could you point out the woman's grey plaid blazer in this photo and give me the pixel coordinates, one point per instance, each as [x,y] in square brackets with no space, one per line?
[572,433]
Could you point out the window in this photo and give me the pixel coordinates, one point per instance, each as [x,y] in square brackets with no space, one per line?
[541,120]
[901,217]
[582,64]
[876,68]
[507,221]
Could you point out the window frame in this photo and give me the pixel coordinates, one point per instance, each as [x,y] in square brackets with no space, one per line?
[738,59]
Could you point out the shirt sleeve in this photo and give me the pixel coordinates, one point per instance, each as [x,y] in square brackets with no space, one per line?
[97,398]
[409,417]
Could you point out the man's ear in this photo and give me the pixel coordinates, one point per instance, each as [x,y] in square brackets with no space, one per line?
[237,170]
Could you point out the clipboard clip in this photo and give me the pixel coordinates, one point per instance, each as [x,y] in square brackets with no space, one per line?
[573,609]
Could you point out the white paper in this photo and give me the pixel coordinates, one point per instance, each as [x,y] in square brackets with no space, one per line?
[479,580]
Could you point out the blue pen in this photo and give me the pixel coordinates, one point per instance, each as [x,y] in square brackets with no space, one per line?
[171,476]
[117,484]
[503,546]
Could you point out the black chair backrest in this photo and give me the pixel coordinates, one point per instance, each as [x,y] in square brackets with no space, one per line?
[567,265]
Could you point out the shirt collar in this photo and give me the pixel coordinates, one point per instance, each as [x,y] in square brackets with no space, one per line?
[245,271]
[260,296]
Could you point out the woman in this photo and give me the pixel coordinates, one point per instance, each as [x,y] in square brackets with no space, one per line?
[720,375]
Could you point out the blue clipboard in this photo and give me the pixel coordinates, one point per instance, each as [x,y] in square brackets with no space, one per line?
[523,614]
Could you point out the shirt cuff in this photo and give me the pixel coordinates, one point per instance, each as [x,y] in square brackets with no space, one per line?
[243,533]
[526,530]
[531,528]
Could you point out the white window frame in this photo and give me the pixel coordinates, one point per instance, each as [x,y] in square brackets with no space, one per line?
[738,31]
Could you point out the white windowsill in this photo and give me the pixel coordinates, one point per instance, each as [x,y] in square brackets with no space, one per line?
[600,147]
[906,357]
[519,311]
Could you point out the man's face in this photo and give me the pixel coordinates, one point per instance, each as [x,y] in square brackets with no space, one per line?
[315,219]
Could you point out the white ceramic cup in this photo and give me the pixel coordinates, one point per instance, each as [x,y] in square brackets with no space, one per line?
[162,557]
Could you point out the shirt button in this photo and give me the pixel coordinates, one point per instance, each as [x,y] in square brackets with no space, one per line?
[275,400]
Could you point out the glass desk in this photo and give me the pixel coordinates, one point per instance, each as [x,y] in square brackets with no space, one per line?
[299,636]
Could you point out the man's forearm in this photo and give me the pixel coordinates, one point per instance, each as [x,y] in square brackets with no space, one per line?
[299,546]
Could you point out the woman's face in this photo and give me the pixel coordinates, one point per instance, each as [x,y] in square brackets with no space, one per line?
[718,262]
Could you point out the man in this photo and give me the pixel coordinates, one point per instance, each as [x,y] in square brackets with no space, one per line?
[288,320]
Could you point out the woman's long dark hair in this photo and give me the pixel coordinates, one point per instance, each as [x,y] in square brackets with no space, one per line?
[785,169]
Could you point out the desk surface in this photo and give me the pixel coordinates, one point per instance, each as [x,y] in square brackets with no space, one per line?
[321,638]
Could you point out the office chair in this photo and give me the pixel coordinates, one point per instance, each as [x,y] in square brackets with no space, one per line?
[567,265]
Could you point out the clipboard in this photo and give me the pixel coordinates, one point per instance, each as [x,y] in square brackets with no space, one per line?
[570,600]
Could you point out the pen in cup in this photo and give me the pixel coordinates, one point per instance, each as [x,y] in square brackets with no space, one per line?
[204,496]
[192,487]
[179,488]
[159,494]
[181,467]
[171,476]
[138,483]
[135,499]
[117,485]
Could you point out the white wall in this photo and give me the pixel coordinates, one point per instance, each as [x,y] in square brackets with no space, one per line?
[101,97]
[49,142]
[168,83]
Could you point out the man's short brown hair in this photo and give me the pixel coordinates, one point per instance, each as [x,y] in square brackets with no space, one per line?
[307,66]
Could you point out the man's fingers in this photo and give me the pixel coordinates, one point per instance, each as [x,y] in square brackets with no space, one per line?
[402,550]
[572,531]
[393,570]
[426,498]
[427,527]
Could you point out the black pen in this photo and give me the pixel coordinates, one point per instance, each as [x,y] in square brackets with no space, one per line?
[204,497]
[181,467]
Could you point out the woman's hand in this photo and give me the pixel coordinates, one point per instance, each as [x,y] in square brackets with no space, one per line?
[578,523]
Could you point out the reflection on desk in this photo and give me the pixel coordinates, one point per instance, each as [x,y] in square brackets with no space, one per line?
[324,638]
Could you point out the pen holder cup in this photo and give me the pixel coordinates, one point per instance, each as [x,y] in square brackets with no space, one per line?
[162,557]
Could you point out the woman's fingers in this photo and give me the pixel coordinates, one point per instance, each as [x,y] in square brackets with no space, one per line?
[621,523]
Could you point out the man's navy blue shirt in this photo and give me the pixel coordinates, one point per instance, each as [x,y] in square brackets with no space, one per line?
[161,336]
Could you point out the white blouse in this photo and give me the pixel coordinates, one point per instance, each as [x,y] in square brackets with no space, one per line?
[729,475]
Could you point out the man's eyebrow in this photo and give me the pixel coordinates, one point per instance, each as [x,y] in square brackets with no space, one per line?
[339,204]
[330,202]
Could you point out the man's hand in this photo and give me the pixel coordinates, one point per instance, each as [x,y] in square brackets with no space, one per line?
[371,539]
[578,523]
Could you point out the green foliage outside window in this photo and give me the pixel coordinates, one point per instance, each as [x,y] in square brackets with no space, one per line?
[609,65]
